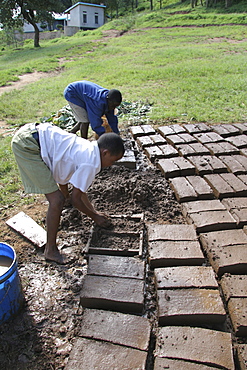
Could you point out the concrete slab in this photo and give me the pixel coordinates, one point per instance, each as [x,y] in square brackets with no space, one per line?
[161,363]
[175,253]
[183,190]
[236,164]
[116,266]
[117,328]
[185,277]
[207,164]
[188,150]
[175,232]
[242,356]
[225,130]
[237,308]
[208,137]
[190,307]
[193,128]
[240,141]
[116,294]
[226,251]
[95,355]
[175,167]
[222,148]
[199,345]
[234,286]
[220,186]
[170,130]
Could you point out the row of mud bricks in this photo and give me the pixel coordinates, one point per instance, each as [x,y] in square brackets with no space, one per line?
[200,268]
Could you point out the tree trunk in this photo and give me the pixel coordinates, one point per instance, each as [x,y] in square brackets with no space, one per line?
[36,36]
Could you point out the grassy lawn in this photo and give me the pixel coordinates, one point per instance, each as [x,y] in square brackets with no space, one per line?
[191,72]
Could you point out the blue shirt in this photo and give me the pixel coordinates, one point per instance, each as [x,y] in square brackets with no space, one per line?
[93,98]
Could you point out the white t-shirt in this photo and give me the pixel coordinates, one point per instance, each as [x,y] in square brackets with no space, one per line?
[70,158]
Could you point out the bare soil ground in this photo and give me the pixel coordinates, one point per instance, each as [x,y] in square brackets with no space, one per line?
[41,335]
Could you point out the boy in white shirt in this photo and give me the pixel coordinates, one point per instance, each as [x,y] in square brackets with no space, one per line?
[50,158]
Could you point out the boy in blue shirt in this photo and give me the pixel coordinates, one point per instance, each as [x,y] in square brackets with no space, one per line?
[89,102]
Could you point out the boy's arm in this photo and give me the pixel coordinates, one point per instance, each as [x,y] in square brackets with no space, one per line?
[81,202]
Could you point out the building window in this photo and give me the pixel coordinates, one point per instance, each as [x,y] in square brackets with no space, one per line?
[84,17]
[96,18]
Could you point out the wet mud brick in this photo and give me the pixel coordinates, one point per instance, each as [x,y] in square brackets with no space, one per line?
[144,141]
[113,293]
[194,128]
[242,127]
[115,327]
[204,346]
[226,185]
[208,137]
[207,164]
[185,277]
[127,267]
[183,138]
[190,306]
[142,130]
[226,251]
[234,286]
[222,148]
[238,209]
[188,150]
[171,364]
[27,227]
[242,356]
[128,160]
[173,245]
[239,141]
[208,215]
[90,354]
[162,151]
[171,130]
[225,130]
[175,167]
[236,164]
[191,188]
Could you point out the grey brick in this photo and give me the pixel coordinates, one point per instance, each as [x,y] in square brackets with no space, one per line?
[200,345]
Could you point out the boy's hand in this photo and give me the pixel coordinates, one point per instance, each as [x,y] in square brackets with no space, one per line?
[102,220]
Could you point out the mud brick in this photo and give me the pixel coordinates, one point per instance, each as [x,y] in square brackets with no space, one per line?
[201,187]
[126,267]
[202,206]
[239,187]
[234,286]
[189,139]
[171,232]
[225,130]
[199,345]
[171,130]
[220,186]
[242,356]
[242,127]
[117,294]
[208,164]
[243,178]
[238,208]
[222,148]
[208,137]
[168,151]
[190,307]
[115,327]
[144,141]
[241,159]
[96,355]
[158,139]
[194,128]
[185,277]
[183,190]
[239,141]
[175,253]
[161,363]
[226,251]
[233,163]
[137,131]
[243,151]
[199,149]
[148,129]
[175,139]
[174,167]
[187,150]
[128,160]
[153,152]
[237,308]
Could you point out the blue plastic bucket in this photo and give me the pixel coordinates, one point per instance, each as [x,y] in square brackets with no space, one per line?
[11,296]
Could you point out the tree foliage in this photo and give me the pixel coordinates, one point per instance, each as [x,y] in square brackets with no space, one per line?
[14,13]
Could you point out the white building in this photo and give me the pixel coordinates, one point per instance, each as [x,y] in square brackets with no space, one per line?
[85,16]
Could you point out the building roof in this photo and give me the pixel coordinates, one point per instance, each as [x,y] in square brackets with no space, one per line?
[80,3]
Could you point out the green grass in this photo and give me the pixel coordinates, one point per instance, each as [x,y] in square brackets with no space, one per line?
[188,73]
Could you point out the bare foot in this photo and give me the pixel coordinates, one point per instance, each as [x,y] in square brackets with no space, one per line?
[55,256]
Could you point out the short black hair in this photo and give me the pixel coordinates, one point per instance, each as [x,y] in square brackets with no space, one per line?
[111,142]
[115,96]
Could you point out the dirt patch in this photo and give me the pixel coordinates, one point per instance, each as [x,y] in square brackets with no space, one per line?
[41,335]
